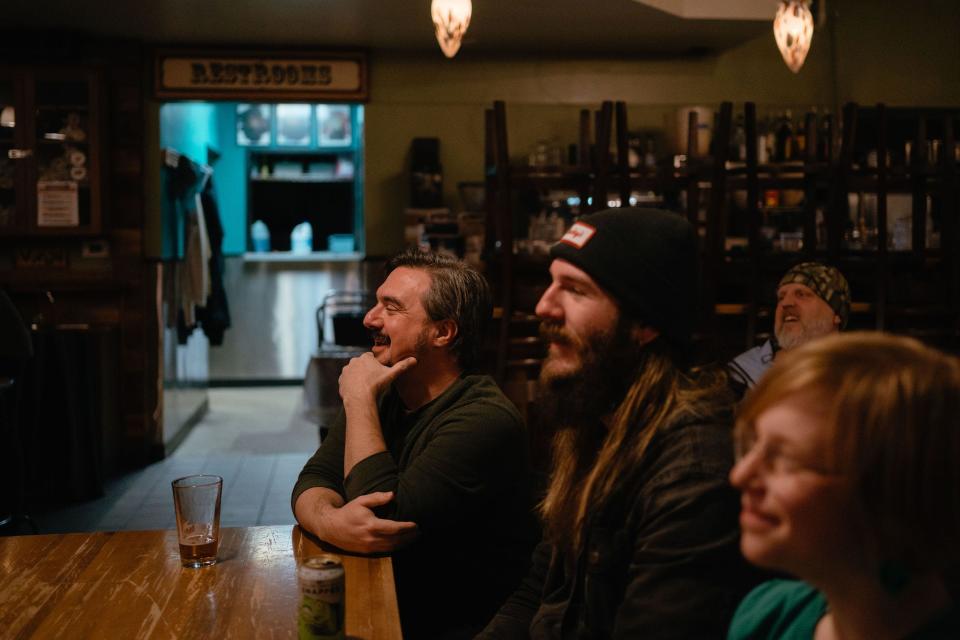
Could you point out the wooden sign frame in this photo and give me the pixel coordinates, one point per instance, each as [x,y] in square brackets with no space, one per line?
[260,75]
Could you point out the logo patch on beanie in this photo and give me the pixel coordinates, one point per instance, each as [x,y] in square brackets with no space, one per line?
[578,235]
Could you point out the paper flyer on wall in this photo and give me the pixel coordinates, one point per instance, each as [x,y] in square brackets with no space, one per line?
[57,204]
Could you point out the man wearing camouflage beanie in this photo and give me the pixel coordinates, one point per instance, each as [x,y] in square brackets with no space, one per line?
[813,300]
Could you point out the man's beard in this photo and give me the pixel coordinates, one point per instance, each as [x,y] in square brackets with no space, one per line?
[579,398]
[419,346]
[815,328]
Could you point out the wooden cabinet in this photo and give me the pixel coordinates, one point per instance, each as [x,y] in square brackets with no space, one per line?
[49,152]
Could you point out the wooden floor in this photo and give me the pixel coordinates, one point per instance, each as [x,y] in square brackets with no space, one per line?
[253,437]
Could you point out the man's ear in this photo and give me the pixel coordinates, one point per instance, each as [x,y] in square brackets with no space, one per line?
[837,322]
[643,334]
[445,332]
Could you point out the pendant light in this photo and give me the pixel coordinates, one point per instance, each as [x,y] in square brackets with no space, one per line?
[451,19]
[793,29]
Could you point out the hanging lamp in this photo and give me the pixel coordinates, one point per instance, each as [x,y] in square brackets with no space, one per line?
[793,29]
[451,19]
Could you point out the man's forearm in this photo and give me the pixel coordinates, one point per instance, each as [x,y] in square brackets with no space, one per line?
[361,382]
[351,526]
[312,507]
[363,434]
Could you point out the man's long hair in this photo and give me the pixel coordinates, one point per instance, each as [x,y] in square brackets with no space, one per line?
[590,462]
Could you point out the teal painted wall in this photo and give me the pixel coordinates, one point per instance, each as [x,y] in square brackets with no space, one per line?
[231,182]
[189,127]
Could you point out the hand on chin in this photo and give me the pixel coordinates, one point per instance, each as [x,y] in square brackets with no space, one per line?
[382,354]
[388,358]
[368,375]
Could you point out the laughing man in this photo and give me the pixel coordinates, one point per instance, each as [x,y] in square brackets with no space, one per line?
[427,460]
[813,300]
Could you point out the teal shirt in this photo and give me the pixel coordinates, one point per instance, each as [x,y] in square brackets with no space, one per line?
[782,609]
[790,610]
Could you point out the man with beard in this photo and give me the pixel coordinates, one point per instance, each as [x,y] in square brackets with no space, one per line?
[426,460]
[640,524]
[813,300]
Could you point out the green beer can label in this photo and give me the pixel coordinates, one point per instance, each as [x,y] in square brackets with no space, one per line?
[321,615]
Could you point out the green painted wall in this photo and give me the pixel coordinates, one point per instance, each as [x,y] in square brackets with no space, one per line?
[901,54]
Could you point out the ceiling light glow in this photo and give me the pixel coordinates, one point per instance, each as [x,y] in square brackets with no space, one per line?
[451,19]
[793,30]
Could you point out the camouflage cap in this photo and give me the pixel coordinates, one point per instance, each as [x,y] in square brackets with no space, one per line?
[826,282]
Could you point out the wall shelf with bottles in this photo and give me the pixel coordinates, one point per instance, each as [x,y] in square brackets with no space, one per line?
[287,189]
[305,171]
[771,194]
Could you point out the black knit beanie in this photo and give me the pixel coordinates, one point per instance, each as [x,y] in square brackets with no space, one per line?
[645,258]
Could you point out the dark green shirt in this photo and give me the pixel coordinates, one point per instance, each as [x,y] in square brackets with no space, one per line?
[458,466]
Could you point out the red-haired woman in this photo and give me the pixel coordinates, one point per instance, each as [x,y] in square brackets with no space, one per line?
[849,468]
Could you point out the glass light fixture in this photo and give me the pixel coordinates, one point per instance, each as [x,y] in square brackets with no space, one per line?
[8,117]
[793,29]
[451,19]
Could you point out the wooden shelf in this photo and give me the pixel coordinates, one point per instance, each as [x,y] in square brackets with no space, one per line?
[62,280]
[81,108]
[312,257]
[303,179]
[49,142]
[917,287]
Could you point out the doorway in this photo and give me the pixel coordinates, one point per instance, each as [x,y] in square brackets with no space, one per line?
[288,181]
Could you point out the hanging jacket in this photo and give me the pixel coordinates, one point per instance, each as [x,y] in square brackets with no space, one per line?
[214,316]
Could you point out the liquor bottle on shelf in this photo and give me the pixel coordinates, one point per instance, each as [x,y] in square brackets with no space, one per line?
[771,137]
[650,153]
[426,174]
[784,138]
[825,137]
[800,137]
[714,127]
[763,153]
[738,141]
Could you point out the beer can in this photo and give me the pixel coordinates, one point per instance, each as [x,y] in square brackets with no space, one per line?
[322,611]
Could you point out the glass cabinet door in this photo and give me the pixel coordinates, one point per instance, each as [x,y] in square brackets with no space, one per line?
[48,152]
[9,153]
[63,152]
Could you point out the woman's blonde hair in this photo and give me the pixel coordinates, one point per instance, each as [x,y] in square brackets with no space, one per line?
[892,408]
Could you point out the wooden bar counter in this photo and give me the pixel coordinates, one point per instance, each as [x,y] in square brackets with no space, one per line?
[130,584]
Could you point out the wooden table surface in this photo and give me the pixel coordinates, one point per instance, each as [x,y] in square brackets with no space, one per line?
[130,584]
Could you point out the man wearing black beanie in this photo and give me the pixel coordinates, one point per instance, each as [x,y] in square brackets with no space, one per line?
[640,525]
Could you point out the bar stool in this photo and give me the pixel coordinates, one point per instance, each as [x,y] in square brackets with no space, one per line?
[340,336]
